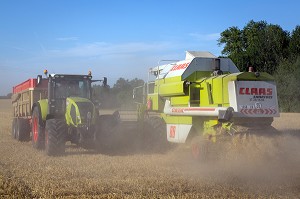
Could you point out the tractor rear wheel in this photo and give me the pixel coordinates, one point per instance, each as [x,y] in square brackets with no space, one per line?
[55,137]
[155,134]
[22,129]
[38,130]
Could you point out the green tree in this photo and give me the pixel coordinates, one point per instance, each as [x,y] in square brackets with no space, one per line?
[103,95]
[234,45]
[287,78]
[121,84]
[122,92]
[295,42]
[119,96]
[276,47]
[258,44]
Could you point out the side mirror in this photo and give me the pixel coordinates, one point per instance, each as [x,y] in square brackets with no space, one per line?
[105,81]
[39,79]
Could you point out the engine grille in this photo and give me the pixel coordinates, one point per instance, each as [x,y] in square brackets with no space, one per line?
[84,108]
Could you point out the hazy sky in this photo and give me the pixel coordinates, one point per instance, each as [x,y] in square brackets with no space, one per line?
[118,38]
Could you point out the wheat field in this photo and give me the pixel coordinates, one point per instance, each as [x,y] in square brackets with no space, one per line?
[262,168]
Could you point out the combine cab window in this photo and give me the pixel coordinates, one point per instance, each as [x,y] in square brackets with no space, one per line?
[151,87]
[194,96]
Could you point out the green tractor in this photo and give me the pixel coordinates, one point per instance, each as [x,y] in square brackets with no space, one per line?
[203,98]
[68,113]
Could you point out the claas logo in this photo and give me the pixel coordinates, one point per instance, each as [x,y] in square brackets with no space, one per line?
[172,131]
[256,91]
[180,66]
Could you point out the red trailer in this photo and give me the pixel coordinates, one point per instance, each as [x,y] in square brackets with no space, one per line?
[24,95]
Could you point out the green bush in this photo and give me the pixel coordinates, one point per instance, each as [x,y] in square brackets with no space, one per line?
[287,78]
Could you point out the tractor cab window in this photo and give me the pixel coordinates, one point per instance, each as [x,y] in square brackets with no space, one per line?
[72,88]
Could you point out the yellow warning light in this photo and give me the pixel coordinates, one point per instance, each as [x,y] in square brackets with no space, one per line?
[45,72]
[90,73]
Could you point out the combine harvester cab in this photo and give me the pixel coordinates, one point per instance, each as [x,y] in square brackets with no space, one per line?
[205,97]
[58,109]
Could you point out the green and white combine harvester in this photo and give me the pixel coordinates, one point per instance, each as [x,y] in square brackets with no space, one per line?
[204,97]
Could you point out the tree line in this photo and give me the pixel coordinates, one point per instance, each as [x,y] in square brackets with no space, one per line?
[118,96]
[268,48]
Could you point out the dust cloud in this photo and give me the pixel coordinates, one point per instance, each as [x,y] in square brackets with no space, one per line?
[257,163]
[254,163]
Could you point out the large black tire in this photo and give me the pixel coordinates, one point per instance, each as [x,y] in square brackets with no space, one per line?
[38,130]
[14,128]
[22,129]
[105,129]
[155,134]
[103,133]
[55,137]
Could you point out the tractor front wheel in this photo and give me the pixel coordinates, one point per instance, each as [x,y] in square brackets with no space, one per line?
[55,137]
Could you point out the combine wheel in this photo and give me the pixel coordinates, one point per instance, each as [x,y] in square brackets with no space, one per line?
[200,148]
[22,132]
[55,137]
[38,134]
[155,136]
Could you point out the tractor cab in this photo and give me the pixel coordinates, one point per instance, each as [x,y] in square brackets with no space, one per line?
[65,89]
[64,86]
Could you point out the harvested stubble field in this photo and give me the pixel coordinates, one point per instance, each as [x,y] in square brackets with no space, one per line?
[262,168]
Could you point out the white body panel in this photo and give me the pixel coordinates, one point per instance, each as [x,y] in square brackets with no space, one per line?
[253,98]
[178,132]
[195,61]
[176,69]
[192,111]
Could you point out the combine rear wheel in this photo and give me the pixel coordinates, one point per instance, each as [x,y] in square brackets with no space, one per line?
[38,134]
[55,137]
[200,148]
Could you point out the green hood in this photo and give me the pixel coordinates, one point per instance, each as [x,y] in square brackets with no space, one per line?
[79,111]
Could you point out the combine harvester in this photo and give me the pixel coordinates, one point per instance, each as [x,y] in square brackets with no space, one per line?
[51,111]
[203,98]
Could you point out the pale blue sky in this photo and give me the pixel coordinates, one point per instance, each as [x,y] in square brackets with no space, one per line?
[119,38]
